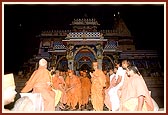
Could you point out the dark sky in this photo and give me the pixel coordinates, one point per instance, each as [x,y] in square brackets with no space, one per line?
[23,22]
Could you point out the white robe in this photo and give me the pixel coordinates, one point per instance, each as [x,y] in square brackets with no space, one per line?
[113,92]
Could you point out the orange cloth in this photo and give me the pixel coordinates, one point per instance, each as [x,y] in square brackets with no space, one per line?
[85,89]
[39,83]
[107,85]
[57,81]
[134,88]
[59,84]
[74,94]
[97,97]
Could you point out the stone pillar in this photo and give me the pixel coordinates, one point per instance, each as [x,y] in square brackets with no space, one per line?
[70,56]
[99,63]
[71,64]
[99,48]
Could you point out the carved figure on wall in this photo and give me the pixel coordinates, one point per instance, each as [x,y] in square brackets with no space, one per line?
[99,51]
[69,51]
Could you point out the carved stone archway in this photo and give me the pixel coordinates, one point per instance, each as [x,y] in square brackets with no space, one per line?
[85,47]
[84,55]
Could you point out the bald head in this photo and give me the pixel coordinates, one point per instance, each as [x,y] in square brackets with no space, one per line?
[43,62]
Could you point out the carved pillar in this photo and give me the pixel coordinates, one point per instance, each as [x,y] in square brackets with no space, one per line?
[71,64]
[99,55]
[116,57]
[99,63]
[53,60]
[70,56]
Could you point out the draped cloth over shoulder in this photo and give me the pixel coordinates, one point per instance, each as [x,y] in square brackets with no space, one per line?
[57,81]
[85,89]
[74,93]
[97,97]
[129,97]
[39,82]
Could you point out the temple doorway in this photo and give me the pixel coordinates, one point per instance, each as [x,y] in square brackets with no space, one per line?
[85,67]
[83,58]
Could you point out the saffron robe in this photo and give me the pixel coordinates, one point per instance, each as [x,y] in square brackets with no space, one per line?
[97,97]
[39,82]
[135,87]
[58,81]
[73,94]
[85,89]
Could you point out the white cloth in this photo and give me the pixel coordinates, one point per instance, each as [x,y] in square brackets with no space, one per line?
[113,92]
[36,99]
[111,77]
[114,99]
[120,72]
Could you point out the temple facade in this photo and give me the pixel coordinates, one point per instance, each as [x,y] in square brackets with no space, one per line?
[77,48]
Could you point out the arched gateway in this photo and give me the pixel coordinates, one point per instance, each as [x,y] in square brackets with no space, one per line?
[83,57]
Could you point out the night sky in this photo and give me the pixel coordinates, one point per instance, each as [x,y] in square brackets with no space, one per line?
[22,23]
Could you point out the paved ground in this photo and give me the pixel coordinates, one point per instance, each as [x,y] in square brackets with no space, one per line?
[88,107]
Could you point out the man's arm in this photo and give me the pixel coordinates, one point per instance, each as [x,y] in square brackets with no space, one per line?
[140,102]
[119,79]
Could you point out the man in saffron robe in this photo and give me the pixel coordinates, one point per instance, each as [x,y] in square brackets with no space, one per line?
[73,90]
[98,83]
[85,88]
[135,95]
[58,88]
[40,83]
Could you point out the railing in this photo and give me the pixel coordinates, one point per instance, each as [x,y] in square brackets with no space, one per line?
[84,35]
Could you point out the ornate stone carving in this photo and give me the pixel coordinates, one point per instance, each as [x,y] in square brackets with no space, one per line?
[99,48]
[70,51]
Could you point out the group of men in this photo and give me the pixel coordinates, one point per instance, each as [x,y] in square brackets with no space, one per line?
[72,90]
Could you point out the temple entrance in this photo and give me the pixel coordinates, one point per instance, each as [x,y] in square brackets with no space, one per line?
[85,67]
[83,58]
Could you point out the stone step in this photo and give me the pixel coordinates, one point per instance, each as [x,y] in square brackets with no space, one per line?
[20,83]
